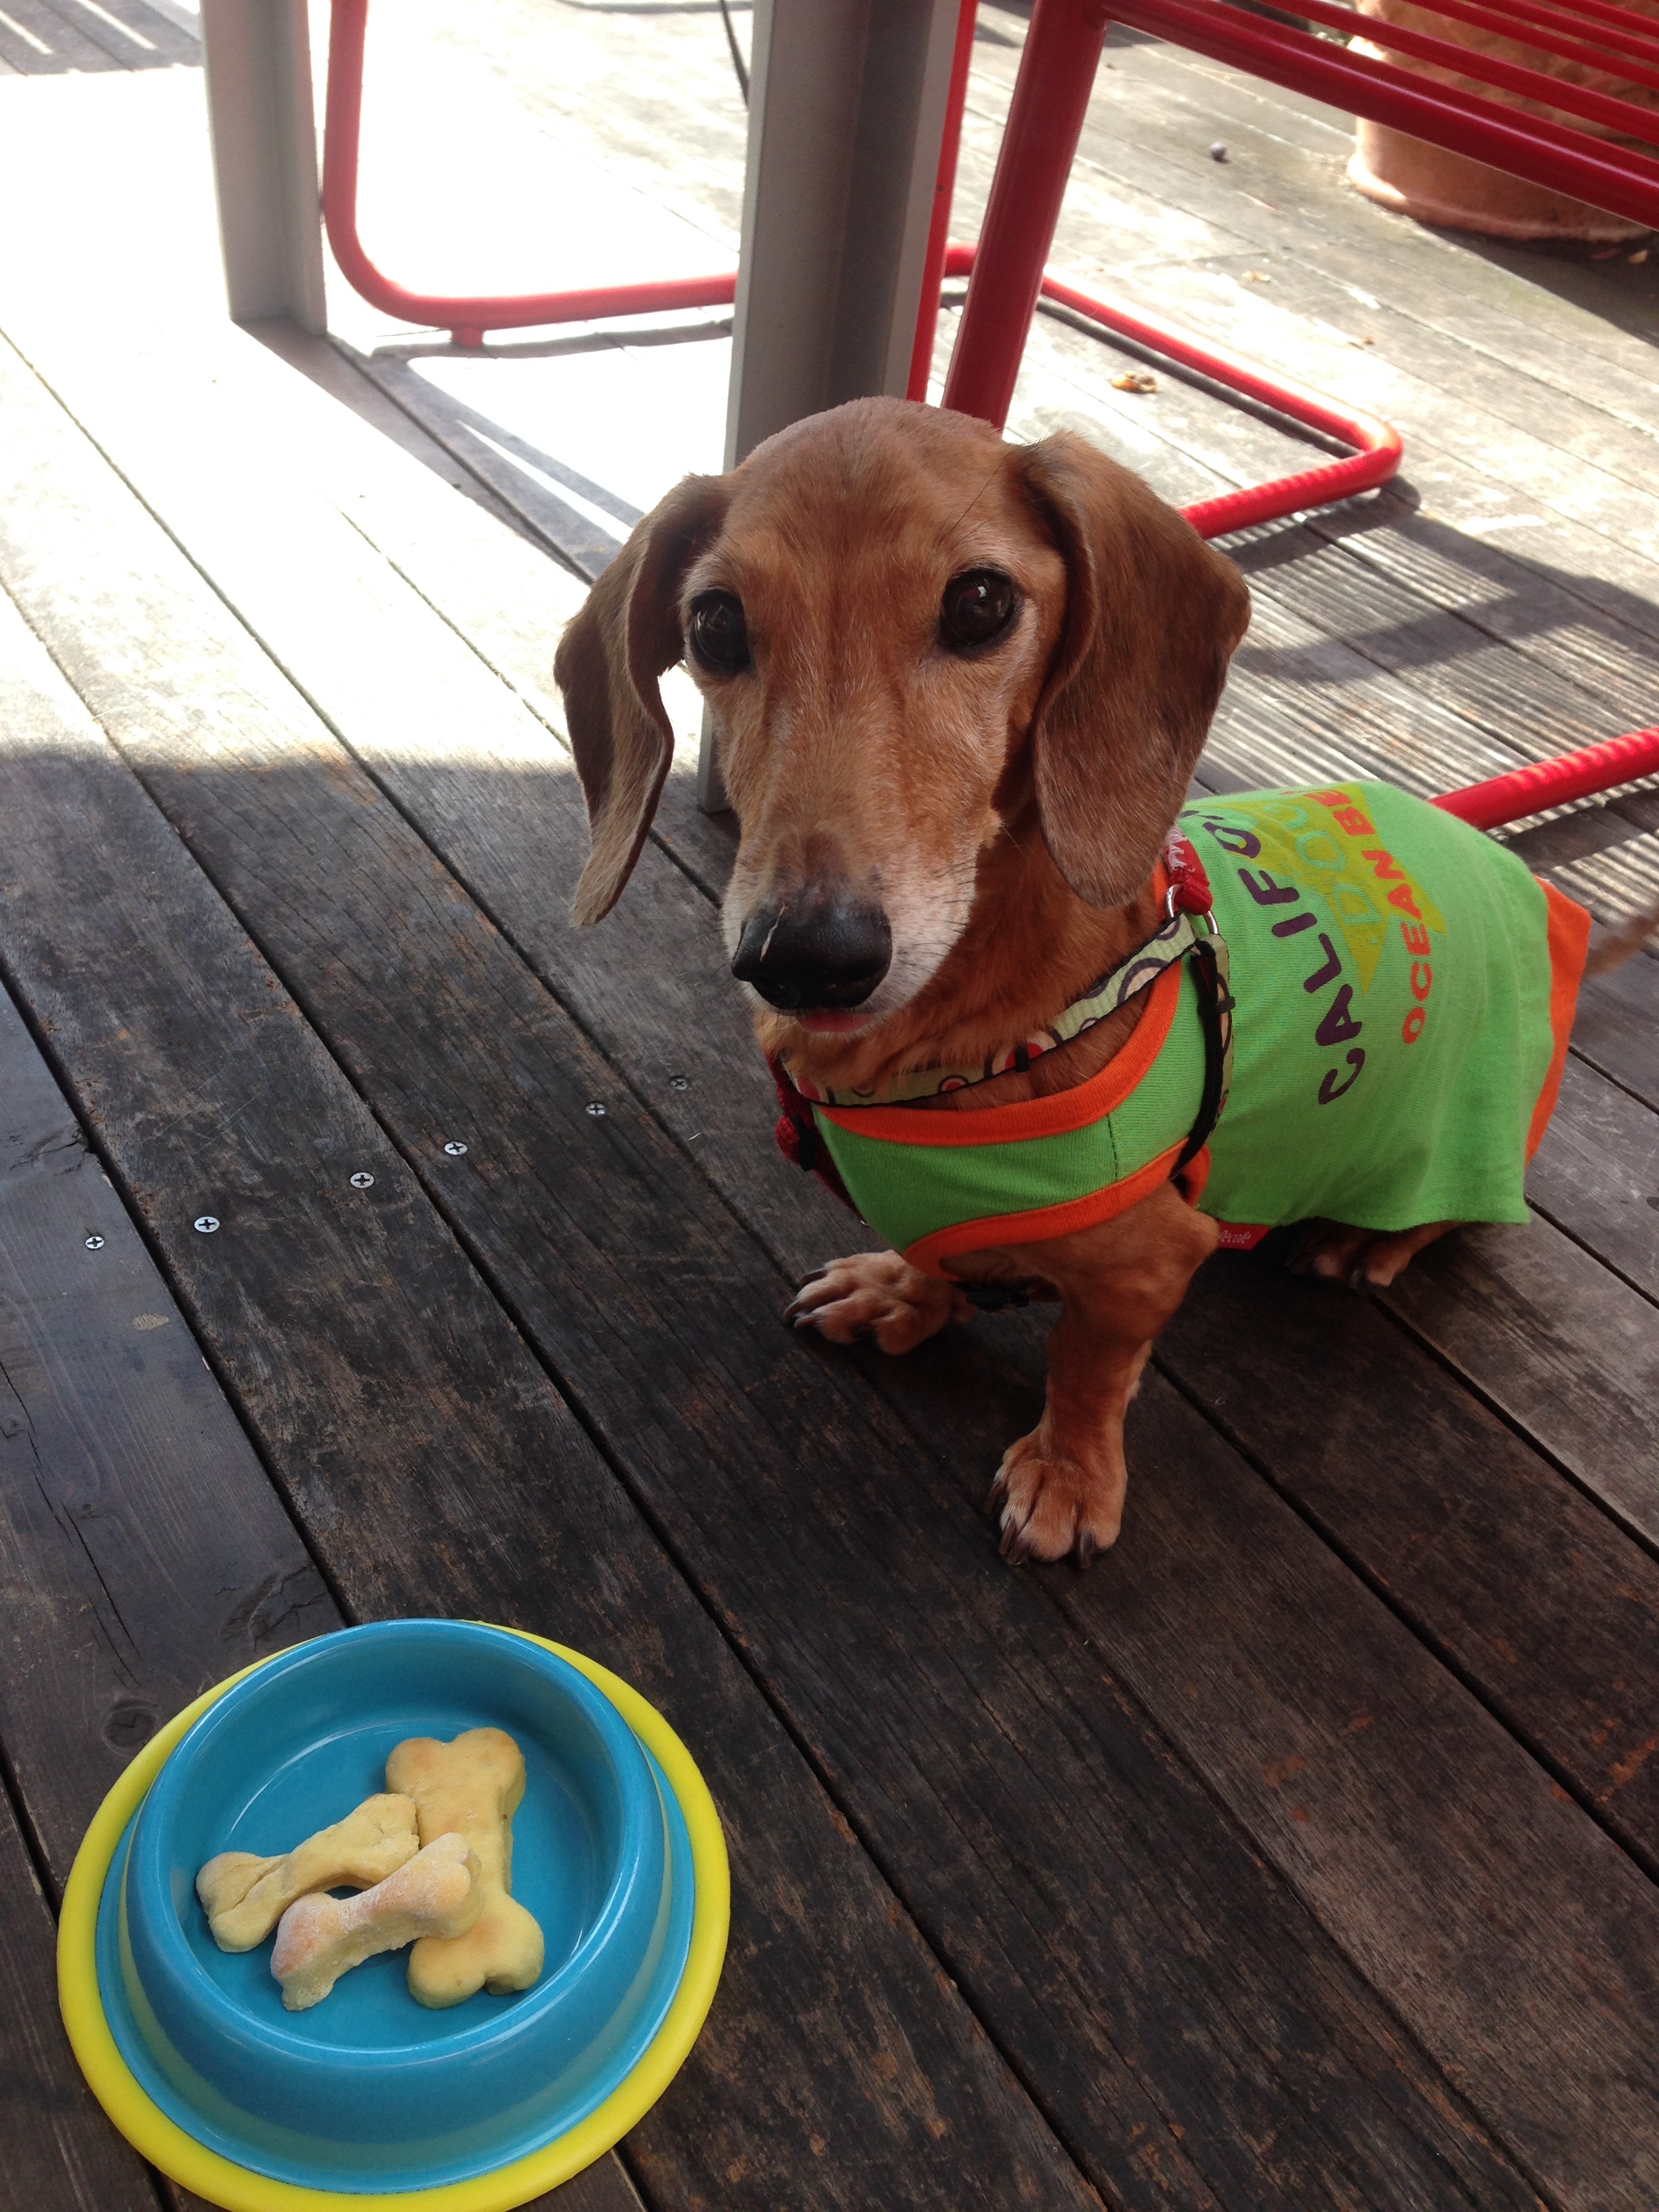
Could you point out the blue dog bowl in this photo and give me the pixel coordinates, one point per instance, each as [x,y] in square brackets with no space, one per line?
[369,2092]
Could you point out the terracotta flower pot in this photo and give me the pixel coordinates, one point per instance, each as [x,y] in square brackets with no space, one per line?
[1418,180]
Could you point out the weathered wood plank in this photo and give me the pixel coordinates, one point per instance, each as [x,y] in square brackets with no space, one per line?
[1528,701]
[133,36]
[1566,1351]
[429,1457]
[1527,605]
[1615,1029]
[1596,1172]
[890,1644]
[122,1598]
[1536,1596]
[695,1391]
[495,585]
[45,44]
[62,2154]
[1364,1781]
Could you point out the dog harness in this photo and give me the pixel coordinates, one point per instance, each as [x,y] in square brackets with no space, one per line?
[1389,991]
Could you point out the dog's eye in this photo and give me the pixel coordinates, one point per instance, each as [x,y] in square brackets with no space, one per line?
[978,605]
[717,632]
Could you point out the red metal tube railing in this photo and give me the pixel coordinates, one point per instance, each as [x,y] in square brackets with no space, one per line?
[1377,443]
[1634,37]
[1611,177]
[1605,108]
[1557,782]
[1601,13]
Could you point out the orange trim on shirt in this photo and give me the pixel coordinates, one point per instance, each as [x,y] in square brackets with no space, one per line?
[1569,940]
[1042,1222]
[1056,1115]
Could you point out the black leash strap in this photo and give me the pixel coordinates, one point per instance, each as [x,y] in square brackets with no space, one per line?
[1215,1016]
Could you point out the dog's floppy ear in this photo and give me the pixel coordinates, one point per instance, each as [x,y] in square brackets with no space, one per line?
[1151,618]
[607,665]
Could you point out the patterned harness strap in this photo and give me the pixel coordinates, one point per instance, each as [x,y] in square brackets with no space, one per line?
[796,1132]
[1189,893]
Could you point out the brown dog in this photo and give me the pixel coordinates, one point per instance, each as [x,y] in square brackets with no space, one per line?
[959,687]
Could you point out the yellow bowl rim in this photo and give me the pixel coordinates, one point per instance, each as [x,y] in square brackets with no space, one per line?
[161,2140]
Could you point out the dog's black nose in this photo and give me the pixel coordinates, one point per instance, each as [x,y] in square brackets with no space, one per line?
[826,954]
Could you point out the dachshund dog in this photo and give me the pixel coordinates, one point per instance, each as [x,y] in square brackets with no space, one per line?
[959,687]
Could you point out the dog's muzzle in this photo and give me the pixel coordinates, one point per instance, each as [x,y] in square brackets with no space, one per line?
[823,955]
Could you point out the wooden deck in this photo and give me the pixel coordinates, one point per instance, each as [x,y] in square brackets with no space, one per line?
[1303,1854]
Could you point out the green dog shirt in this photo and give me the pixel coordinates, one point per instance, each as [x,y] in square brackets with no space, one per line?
[1402,993]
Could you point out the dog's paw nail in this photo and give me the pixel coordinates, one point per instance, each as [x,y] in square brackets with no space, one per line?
[998,1492]
[812,1275]
[1085,1549]
[1015,1545]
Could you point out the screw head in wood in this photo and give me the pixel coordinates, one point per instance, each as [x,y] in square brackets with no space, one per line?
[596,1109]
[454,1148]
[207,1223]
[679,1082]
[361,1180]
[95,1243]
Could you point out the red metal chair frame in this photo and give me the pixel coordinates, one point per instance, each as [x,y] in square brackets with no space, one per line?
[1057,72]
[465,318]
[1039,145]
[1008,275]
[1377,443]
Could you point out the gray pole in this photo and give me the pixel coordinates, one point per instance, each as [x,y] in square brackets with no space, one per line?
[263,130]
[846,113]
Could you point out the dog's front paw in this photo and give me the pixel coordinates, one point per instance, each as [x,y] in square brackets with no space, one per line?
[876,1297]
[1051,1504]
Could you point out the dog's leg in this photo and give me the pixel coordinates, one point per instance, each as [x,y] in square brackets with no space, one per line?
[876,1297]
[1365,1259]
[1060,1489]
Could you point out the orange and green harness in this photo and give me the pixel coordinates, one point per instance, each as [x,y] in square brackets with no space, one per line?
[1357,1009]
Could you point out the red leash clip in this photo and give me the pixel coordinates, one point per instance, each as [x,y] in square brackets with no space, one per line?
[1189,887]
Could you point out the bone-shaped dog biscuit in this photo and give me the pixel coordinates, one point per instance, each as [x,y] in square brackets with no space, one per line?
[245,1896]
[472,1786]
[437,1893]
